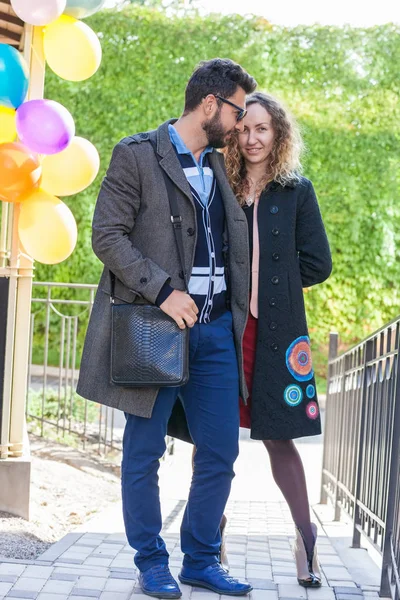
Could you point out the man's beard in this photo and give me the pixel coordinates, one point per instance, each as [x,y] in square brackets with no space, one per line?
[216,134]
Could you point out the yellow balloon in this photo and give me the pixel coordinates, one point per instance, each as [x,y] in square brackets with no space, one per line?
[71,170]
[8,130]
[71,48]
[47,228]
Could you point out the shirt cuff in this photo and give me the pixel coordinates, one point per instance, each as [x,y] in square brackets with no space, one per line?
[163,294]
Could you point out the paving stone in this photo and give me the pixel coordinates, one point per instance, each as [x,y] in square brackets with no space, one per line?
[8,579]
[114,596]
[100,562]
[291,591]
[262,584]
[5,587]
[64,577]
[348,596]
[339,583]
[29,583]
[339,589]
[286,579]
[43,596]
[91,583]
[22,594]
[86,593]
[322,593]
[264,595]
[38,572]
[11,569]
[119,585]
[54,586]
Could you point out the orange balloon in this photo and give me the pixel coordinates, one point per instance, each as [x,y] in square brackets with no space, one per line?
[20,172]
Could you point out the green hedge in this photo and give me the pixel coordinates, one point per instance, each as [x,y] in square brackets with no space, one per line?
[341,83]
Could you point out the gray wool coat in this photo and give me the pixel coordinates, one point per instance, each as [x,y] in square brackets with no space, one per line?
[134,238]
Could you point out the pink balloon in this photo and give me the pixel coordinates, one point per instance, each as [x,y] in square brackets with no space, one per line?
[38,12]
[45,126]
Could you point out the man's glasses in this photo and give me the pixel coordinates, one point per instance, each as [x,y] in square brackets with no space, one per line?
[242,112]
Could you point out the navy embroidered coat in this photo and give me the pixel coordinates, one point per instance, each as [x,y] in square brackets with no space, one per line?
[294,254]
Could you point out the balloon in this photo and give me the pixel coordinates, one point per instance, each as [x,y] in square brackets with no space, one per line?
[72,170]
[8,130]
[38,12]
[45,126]
[13,77]
[20,172]
[47,228]
[72,49]
[83,8]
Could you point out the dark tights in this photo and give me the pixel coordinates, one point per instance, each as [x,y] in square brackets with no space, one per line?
[288,472]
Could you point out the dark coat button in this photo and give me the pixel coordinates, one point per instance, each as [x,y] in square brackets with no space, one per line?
[143,280]
[275,256]
[273,302]
[274,347]
[275,231]
[273,325]
[273,210]
[190,231]
[181,274]
[275,280]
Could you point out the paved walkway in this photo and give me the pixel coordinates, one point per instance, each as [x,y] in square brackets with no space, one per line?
[96,562]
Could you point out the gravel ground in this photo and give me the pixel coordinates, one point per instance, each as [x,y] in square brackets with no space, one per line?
[67,488]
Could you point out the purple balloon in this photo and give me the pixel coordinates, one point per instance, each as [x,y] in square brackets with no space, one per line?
[45,126]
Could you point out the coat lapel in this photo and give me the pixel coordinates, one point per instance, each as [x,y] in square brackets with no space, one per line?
[231,205]
[170,162]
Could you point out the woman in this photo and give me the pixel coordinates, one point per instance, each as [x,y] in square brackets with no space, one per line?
[289,251]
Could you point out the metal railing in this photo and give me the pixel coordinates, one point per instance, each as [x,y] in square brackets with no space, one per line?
[53,408]
[361,445]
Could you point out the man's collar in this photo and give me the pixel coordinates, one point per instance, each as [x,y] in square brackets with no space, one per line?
[180,145]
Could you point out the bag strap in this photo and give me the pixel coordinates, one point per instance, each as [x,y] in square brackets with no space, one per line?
[176,221]
[176,218]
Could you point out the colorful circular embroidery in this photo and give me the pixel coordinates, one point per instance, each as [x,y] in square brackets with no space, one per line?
[293,395]
[310,391]
[298,359]
[312,410]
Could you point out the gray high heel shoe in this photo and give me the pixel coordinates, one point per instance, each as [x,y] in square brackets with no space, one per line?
[308,568]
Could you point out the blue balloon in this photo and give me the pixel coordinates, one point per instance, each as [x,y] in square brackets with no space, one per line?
[83,8]
[13,77]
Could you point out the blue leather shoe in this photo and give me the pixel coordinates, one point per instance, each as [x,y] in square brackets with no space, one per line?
[158,582]
[214,578]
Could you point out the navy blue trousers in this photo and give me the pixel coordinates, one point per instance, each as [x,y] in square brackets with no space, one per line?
[211,404]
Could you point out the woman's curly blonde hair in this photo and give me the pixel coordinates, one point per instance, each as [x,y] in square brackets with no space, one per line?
[283,165]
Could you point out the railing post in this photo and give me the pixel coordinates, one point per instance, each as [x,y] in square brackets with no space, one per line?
[394,481]
[368,354]
[333,350]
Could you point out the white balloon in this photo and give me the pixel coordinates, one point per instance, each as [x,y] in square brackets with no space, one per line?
[38,12]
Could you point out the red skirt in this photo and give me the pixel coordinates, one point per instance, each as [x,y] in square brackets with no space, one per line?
[249,357]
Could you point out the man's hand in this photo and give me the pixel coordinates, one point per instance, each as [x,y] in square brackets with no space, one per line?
[181,308]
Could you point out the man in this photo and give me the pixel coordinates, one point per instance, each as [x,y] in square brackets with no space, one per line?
[134,238]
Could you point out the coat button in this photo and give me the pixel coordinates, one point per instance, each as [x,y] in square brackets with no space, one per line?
[275,231]
[275,256]
[190,231]
[273,326]
[275,280]
[143,280]
[181,275]
[274,347]
[273,210]
[273,302]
